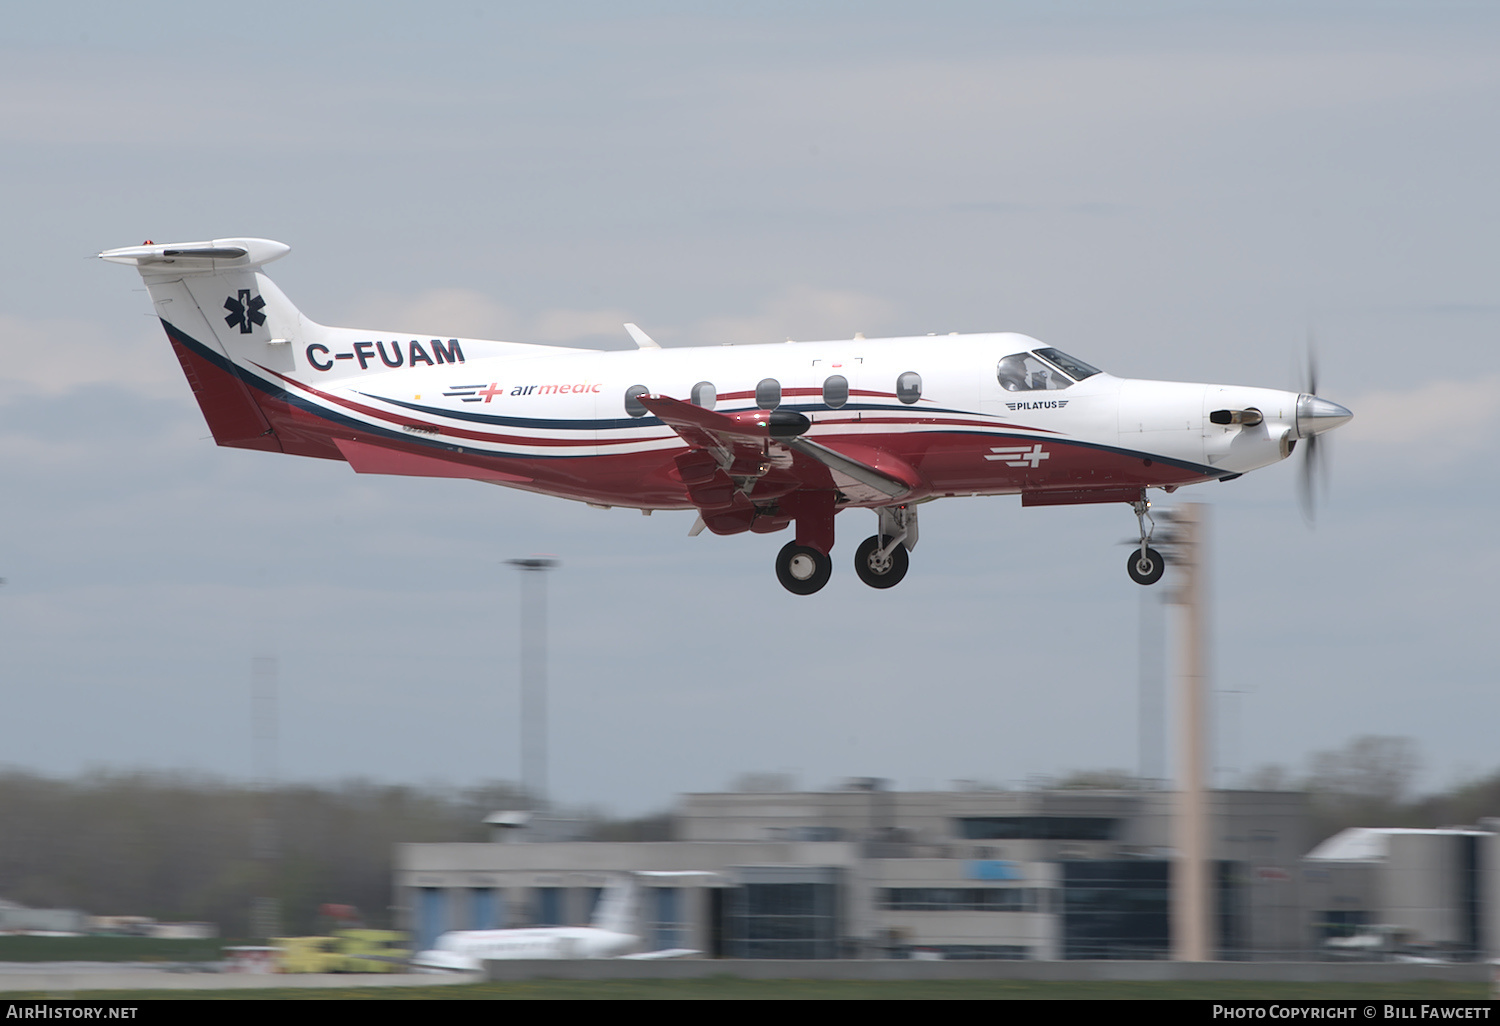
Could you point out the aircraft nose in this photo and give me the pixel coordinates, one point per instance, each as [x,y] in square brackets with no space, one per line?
[1316,415]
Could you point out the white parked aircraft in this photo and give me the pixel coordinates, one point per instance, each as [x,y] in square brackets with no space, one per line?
[755,438]
[612,934]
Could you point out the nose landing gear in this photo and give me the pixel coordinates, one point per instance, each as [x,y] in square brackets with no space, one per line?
[1145,564]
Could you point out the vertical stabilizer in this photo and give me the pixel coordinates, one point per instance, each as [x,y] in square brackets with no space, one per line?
[618,909]
[222,315]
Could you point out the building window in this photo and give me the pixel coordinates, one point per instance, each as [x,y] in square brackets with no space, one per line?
[666,918]
[486,909]
[549,907]
[432,916]
[785,920]
[1037,828]
[960,899]
[1119,908]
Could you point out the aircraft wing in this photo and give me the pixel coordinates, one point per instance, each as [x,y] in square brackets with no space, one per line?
[444,961]
[744,443]
[737,441]
[665,953]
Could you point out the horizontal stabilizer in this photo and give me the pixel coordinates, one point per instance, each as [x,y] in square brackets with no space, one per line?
[181,257]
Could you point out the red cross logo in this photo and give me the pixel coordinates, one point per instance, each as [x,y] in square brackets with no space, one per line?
[493,390]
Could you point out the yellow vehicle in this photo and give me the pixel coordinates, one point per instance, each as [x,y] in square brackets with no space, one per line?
[347,951]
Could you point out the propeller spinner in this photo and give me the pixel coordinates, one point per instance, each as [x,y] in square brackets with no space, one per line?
[1314,416]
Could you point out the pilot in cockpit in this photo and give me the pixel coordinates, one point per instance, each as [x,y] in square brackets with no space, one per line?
[1012,373]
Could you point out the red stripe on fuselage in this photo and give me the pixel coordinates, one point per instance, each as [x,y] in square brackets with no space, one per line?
[948,453]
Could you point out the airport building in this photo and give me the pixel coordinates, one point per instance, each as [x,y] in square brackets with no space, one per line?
[1386,890]
[865,872]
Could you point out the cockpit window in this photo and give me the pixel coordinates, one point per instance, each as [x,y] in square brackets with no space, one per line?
[1076,369]
[1023,372]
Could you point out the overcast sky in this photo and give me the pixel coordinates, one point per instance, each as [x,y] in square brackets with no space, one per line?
[1185,191]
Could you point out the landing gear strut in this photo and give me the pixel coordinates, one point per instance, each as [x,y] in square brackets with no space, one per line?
[802,569]
[1145,564]
[881,560]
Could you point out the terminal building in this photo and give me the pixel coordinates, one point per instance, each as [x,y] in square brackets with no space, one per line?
[865,872]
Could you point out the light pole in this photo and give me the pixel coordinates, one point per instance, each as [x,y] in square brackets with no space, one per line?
[265,912]
[1193,914]
[534,676]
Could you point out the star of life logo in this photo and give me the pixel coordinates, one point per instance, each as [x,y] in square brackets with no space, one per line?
[1020,457]
[245,311]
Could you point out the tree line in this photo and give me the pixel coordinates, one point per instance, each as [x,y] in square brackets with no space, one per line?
[183,847]
[189,847]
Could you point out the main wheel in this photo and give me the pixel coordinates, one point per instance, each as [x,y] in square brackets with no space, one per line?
[880,573]
[1145,569]
[802,570]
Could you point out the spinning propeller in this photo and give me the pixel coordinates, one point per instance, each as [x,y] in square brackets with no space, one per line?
[1314,416]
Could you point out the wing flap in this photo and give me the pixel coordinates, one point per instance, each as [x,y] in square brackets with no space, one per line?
[744,444]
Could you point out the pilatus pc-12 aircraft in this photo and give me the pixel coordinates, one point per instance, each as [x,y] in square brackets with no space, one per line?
[755,438]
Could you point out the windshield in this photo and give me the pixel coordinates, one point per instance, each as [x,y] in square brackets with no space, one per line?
[1076,369]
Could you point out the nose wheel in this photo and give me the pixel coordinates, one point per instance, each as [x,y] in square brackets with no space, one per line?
[1145,564]
[802,570]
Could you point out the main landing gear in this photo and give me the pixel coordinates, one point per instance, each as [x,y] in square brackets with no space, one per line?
[881,560]
[1145,564]
[802,569]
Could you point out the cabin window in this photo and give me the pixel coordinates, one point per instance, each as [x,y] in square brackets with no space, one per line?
[835,391]
[909,387]
[768,394]
[1025,373]
[633,404]
[703,395]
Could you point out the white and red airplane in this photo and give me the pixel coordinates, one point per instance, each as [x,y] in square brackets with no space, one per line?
[755,438]
[614,933]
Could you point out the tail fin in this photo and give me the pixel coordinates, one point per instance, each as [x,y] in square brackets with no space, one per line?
[619,906]
[244,347]
[617,911]
[221,314]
